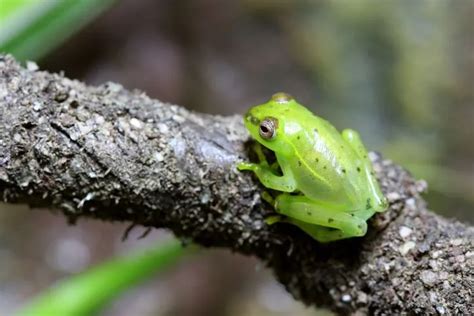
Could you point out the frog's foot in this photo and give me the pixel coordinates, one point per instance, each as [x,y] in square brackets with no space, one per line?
[261,159]
[310,212]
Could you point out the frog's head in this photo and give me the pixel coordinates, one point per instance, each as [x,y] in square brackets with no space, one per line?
[266,121]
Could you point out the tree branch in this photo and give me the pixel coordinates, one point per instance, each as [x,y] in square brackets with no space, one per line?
[107,153]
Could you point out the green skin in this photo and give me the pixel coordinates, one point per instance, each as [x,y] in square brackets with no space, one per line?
[329,174]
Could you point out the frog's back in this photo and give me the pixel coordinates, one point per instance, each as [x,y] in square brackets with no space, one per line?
[327,169]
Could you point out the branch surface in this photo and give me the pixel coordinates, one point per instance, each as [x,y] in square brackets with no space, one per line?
[111,154]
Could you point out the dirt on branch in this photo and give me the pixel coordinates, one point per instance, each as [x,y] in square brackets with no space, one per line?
[111,154]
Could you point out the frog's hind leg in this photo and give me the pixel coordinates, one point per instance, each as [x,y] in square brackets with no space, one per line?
[353,139]
[362,214]
[320,233]
[302,209]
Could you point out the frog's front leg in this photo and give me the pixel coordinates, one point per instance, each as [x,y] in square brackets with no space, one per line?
[266,174]
[268,178]
[308,211]
[257,147]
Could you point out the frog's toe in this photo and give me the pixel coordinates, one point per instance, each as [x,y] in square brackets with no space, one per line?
[246,166]
[273,219]
[361,229]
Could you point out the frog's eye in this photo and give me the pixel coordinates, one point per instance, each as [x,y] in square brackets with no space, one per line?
[268,128]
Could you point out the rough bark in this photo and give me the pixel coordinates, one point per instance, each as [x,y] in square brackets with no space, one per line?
[111,154]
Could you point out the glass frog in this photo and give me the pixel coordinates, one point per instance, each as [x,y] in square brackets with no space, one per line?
[326,180]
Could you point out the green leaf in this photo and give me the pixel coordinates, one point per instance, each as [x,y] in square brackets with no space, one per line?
[89,291]
[32,28]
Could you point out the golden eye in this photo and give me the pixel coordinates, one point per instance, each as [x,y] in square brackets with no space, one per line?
[268,128]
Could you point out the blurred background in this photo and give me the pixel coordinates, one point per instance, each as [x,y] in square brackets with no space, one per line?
[399,72]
